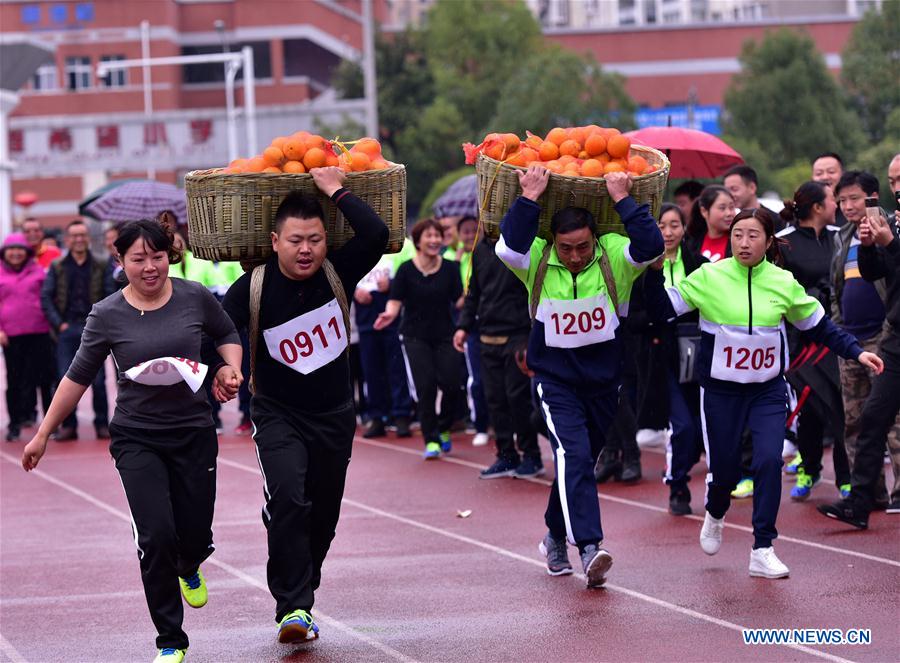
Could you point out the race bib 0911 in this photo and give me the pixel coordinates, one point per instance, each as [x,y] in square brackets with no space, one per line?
[309,341]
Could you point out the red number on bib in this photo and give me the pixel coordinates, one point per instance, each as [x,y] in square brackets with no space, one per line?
[333,323]
[599,317]
[318,331]
[770,358]
[584,322]
[570,318]
[304,344]
[288,351]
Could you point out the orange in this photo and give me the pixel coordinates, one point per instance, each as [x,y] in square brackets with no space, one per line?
[577,134]
[592,168]
[517,159]
[271,169]
[618,146]
[302,135]
[570,147]
[512,142]
[602,158]
[368,145]
[554,166]
[331,159]
[584,155]
[238,163]
[293,167]
[595,144]
[548,151]
[613,167]
[557,136]
[566,159]
[279,142]
[592,129]
[496,150]
[572,169]
[529,154]
[256,165]
[637,164]
[273,156]
[379,164]
[534,141]
[359,161]
[315,141]
[609,133]
[314,158]
[294,148]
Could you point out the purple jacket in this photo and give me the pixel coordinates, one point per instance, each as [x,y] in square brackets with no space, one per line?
[20,300]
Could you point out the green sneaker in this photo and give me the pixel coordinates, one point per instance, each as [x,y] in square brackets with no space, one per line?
[804,486]
[432,450]
[297,626]
[446,445]
[170,655]
[793,465]
[743,490]
[845,490]
[193,589]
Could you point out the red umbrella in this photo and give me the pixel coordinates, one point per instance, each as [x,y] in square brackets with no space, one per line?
[692,153]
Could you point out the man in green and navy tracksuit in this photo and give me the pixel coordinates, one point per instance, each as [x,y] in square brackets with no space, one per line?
[579,287]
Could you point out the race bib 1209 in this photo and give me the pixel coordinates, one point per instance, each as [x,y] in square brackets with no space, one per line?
[744,358]
[574,323]
[309,341]
[166,371]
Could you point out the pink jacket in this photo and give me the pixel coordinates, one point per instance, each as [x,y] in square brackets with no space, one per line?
[20,300]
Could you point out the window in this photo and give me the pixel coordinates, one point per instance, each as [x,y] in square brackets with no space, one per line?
[305,58]
[30,14]
[59,13]
[84,11]
[115,77]
[78,73]
[45,78]
[671,17]
[214,72]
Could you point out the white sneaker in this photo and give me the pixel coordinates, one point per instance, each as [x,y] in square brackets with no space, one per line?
[711,534]
[788,449]
[765,564]
[480,439]
[648,438]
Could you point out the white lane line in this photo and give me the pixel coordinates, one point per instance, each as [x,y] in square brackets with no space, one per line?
[534,562]
[237,573]
[10,652]
[643,505]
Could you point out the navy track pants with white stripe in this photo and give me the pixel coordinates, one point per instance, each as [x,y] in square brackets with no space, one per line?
[725,415]
[577,420]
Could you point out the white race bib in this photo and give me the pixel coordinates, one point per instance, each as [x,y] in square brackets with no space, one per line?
[370,280]
[574,323]
[743,358]
[166,371]
[309,341]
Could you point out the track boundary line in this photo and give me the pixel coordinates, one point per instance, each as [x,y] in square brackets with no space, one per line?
[640,505]
[228,568]
[534,562]
[11,652]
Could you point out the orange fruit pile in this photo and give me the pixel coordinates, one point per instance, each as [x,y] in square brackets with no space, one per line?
[590,151]
[303,151]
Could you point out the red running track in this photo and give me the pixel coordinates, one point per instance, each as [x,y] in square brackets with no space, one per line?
[408,580]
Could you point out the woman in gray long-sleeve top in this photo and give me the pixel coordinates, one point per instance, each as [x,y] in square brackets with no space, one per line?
[162,434]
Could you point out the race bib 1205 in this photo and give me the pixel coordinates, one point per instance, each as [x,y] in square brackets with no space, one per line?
[309,341]
[166,371]
[574,323]
[744,358]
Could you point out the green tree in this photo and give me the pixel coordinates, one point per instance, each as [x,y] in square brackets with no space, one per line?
[785,100]
[405,84]
[473,48]
[875,159]
[871,67]
[582,94]
[431,148]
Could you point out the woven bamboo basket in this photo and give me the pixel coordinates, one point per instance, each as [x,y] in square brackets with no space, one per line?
[230,216]
[498,188]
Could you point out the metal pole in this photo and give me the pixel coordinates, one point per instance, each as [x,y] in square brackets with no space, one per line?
[8,101]
[231,69]
[369,76]
[249,99]
[148,89]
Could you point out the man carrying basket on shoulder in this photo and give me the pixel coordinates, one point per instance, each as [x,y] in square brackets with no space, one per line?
[297,312]
[579,287]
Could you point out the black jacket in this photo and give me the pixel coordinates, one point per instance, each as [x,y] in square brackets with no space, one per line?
[876,263]
[809,259]
[497,301]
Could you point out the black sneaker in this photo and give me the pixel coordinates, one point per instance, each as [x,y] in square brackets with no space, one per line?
[529,467]
[608,466]
[631,471]
[12,434]
[893,507]
[402,424]
[375,429]
[680,501]
[557,555]
[596,563]
[502,467]
[846,511]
